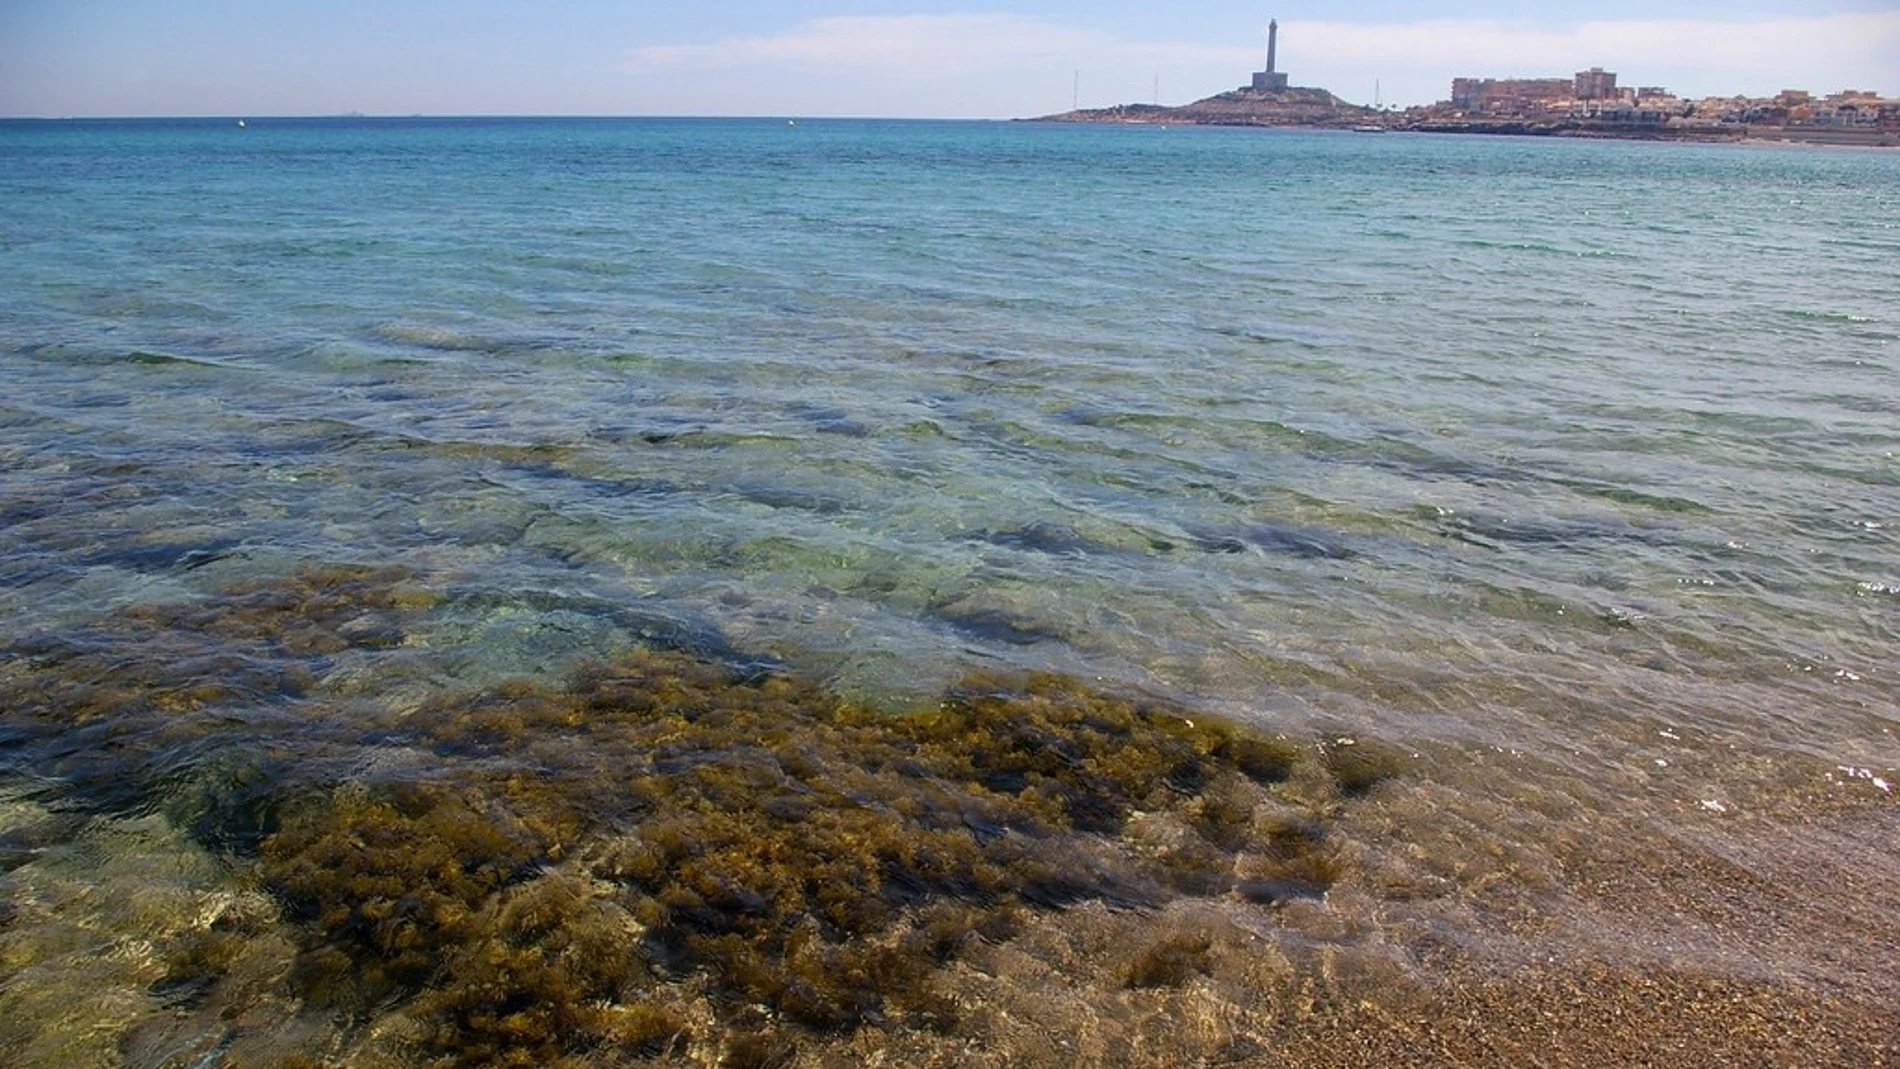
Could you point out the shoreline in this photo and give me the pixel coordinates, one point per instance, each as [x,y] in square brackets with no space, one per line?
[1696,135]
[1307,107]
[1147,115]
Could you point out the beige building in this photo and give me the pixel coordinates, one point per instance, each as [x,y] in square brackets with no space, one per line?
[1508,96]
[1595,84]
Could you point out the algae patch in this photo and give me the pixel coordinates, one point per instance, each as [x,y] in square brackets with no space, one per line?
[662,854]
[662,825]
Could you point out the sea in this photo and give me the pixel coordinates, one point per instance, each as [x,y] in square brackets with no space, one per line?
[1567,470]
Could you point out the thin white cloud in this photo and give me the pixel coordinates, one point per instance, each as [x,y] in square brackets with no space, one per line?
[1502,48]
[925,47]
[1416,59]
[1693,57]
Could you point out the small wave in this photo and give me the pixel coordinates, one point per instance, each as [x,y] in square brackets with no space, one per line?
[1623,495]
[439,338]
[143,356]
[1516,246]
[1859,243]
[1497,532]
[1814,315]
[85,356]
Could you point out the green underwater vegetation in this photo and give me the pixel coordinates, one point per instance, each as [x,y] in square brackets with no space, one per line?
[660,853]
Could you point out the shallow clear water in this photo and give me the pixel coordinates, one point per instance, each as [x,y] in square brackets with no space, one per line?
[1452,435]
[1536,445]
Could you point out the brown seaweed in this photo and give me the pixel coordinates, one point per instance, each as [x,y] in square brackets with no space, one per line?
[554,870]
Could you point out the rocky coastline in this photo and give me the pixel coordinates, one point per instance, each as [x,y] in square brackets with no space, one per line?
[1316,108]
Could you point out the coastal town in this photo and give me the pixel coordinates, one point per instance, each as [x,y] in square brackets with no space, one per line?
[1588,103]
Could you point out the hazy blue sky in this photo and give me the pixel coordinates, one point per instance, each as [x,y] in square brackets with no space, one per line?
[885,57]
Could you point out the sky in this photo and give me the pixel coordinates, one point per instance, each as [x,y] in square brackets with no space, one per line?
[900,58]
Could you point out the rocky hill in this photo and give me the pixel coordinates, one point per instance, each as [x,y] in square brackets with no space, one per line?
[1294,106]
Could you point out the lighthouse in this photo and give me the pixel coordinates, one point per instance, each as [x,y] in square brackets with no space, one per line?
[1270,80]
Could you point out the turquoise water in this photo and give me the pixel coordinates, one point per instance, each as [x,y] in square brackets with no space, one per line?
[1585,451]
[1280,421]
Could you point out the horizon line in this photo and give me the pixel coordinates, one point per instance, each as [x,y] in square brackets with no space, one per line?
[236,116]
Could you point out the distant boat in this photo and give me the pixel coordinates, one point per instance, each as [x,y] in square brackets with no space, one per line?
[1368,128]
[240,124]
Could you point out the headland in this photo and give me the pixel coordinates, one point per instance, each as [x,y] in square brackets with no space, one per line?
[1586,104]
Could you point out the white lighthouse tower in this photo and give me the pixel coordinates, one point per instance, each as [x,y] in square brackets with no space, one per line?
[1271,80]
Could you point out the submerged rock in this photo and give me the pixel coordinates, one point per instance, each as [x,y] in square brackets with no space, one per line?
[1042,536]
